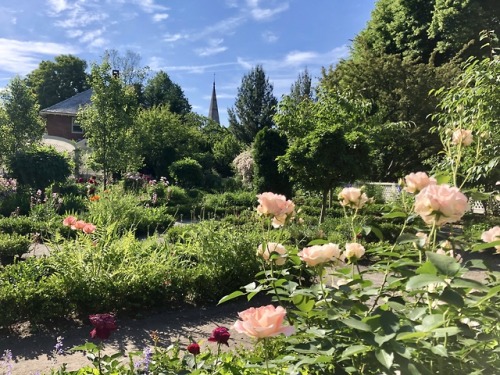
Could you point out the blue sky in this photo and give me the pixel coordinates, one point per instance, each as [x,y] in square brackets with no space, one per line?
[189,39]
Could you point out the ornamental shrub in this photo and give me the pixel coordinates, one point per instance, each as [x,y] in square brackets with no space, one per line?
[11,246]
[187,172]
[40,166]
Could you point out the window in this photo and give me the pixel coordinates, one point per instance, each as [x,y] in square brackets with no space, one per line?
[75,127]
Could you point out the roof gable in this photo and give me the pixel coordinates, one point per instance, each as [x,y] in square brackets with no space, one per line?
[69,106]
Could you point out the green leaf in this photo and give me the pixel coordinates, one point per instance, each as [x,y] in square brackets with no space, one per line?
[303,303]
[459,282]
[377,232]
[230,296]
[483,246]
[411,335]
[428,268]
[442,178]
[445,331]
[420,281]
[444,263]
[451,297]
[439,350]
[392,215]
[386,359]
[407,238]
[492,292]
[356,324]
[353,350]
[430,322]
[317,242]
[380,340]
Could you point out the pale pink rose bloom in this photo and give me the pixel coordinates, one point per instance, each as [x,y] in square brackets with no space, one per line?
[415,182]
[275,205]
[89,228]
[318,254]
[273,247]
[354,250]
[492,235]
[263,322]
[462,136]
[79,224]
[440,204]
[353,197]
[69,221]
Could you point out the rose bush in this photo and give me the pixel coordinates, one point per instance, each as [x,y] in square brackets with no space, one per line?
[415,182]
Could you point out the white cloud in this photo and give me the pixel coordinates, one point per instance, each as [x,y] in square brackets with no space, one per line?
[245,64]
[263,14]
[21,57]
[13,20]
[173,37]
[195,68]
[269,37]
[160,17]
[214,47]
[226,26]
[300,58]
[58,6]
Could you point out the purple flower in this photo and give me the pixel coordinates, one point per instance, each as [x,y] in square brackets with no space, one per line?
[146,359]
[58,348]
[6,361]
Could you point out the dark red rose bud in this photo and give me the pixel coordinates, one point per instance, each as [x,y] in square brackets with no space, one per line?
[220,335]
[103,324]
[193,348]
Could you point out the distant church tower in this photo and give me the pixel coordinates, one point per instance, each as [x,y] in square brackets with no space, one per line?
[213,112]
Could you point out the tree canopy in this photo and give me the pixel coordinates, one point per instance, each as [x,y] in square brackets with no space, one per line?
[254,108]
[160,90]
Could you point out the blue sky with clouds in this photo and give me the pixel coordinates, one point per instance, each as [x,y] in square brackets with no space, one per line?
[189,39]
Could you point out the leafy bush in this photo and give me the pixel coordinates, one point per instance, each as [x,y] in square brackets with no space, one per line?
[22,225]
[39,167]
[11,246]
[187,172]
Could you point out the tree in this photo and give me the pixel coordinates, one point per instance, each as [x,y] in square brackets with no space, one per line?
[160,90]
[129,67]
[326,144]
[108,123]
[302,87]
[55,81]
[20,124]
[269,144]
[254,107]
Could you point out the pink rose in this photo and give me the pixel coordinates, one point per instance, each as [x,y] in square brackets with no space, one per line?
[79,224]
[354,250]
[262,322]
[89,228]
[415,182]
[69,221]
[318,254]
[275,205]
[273,247]
[492,235]
[462,136]
[440,204]
[353,197]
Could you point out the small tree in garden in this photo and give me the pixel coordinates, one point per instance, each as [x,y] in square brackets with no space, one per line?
[109,123]
[325,147]
[187,172]
[270,144]
[244,165]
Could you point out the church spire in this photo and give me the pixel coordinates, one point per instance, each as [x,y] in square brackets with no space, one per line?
[213,112]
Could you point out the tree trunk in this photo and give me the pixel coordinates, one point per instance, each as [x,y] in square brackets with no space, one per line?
[323,205]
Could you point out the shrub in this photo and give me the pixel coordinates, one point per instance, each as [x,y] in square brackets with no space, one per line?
[187,172]
[22,225]
[12,246]
[39,167]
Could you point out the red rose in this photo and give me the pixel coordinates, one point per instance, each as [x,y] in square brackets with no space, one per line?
[103,324]
[220,335]
[193,348]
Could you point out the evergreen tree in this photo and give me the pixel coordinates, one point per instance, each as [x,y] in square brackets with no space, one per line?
[254,108]
[302,87]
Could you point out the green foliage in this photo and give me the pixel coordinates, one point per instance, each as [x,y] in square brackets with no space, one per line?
[22,225]
[109,123]
[40,166]
[160,90]
[254,108]
[269,144]
[55,81]
[187,172]
[12,245]
[20,125]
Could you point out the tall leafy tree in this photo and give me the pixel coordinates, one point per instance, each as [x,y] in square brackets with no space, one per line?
[255,106]
[160,90]
[131,72]
[55,81]
[326,142]
[108,123]
[20,124]
[302,88]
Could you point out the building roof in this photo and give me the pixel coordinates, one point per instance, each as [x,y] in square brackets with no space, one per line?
[213,112]
[69,106]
